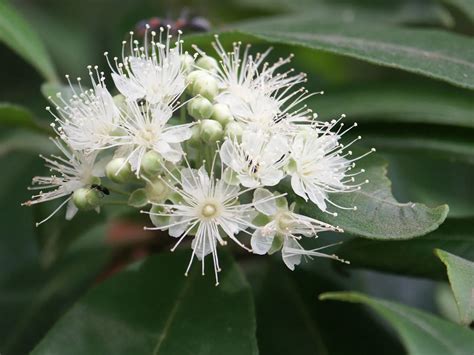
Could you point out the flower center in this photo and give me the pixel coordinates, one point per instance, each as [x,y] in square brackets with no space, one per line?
[209,210]
[148,135]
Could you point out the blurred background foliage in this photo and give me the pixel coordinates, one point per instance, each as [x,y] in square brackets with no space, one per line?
[416,107]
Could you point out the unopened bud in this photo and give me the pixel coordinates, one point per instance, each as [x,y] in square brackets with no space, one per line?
[205,85]
[200,108]
[119,171]
[211,131]
[152,163]
[221,114]
[87,198]
[233,130]
[207,63]
[195,139]
[157,191]
[187,62]
[191,79]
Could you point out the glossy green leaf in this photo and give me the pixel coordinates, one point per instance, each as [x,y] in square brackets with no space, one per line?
[16,32]
[461,278]
[421,332]
[466,6]
[153,309]
[432,178]
[15,116]
[33,296]
[398,103]
[402,11]
[378,214]
[413,257]
[288,312]
[437,54]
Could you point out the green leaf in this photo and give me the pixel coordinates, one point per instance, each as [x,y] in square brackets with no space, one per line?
[33,296]
[421,332]
[402,11]
[461,277]
[16,33]
[413,257]
[432,177]
[466,6]
[398,102]
[153,309]
[437,54]
[14,116]
[288,313]
[378,214]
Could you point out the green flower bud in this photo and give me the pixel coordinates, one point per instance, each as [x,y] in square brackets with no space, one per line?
[205,85]
[86,199]
[200,108]
[152,163]
[211,131]
[221,114]
[192,78]
[233,130]
[195,139]
[138,198]
[119,171]
[187,62]
[207,63]
[157,191]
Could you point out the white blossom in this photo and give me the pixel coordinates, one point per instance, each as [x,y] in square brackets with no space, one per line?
[320,165]
[70,172]
[146,128]
[210,210]
[285,229]
[257,160]
[88,118]
[256,93]
[153,71]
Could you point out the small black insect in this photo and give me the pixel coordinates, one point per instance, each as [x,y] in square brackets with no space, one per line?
[185,22]
[101,189]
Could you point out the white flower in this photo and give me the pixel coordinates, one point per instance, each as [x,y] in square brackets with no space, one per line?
[153,71]
[209,210]
[146,128]
[285,229]
[256,93]
[257,160]
[69,173]
[88,118]
[319,165]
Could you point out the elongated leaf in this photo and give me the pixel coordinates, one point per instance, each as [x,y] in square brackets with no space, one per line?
[20,37]
[14,116]
[432,178]
[466,6]
[433,53]
[421,333]
[154,309]
[378,214]
[461,277]
[288,313]
[398,103]
[402,11]
[413,257]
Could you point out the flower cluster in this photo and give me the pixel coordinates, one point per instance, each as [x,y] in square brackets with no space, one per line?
[210,141]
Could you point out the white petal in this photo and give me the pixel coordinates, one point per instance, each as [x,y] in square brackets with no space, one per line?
[298,188]
[230,156]
[271,177]
[317,196]
[289,253]
[179,228]
[262,241]
[176,134]
[268,207]
[71,210]
[127,87]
